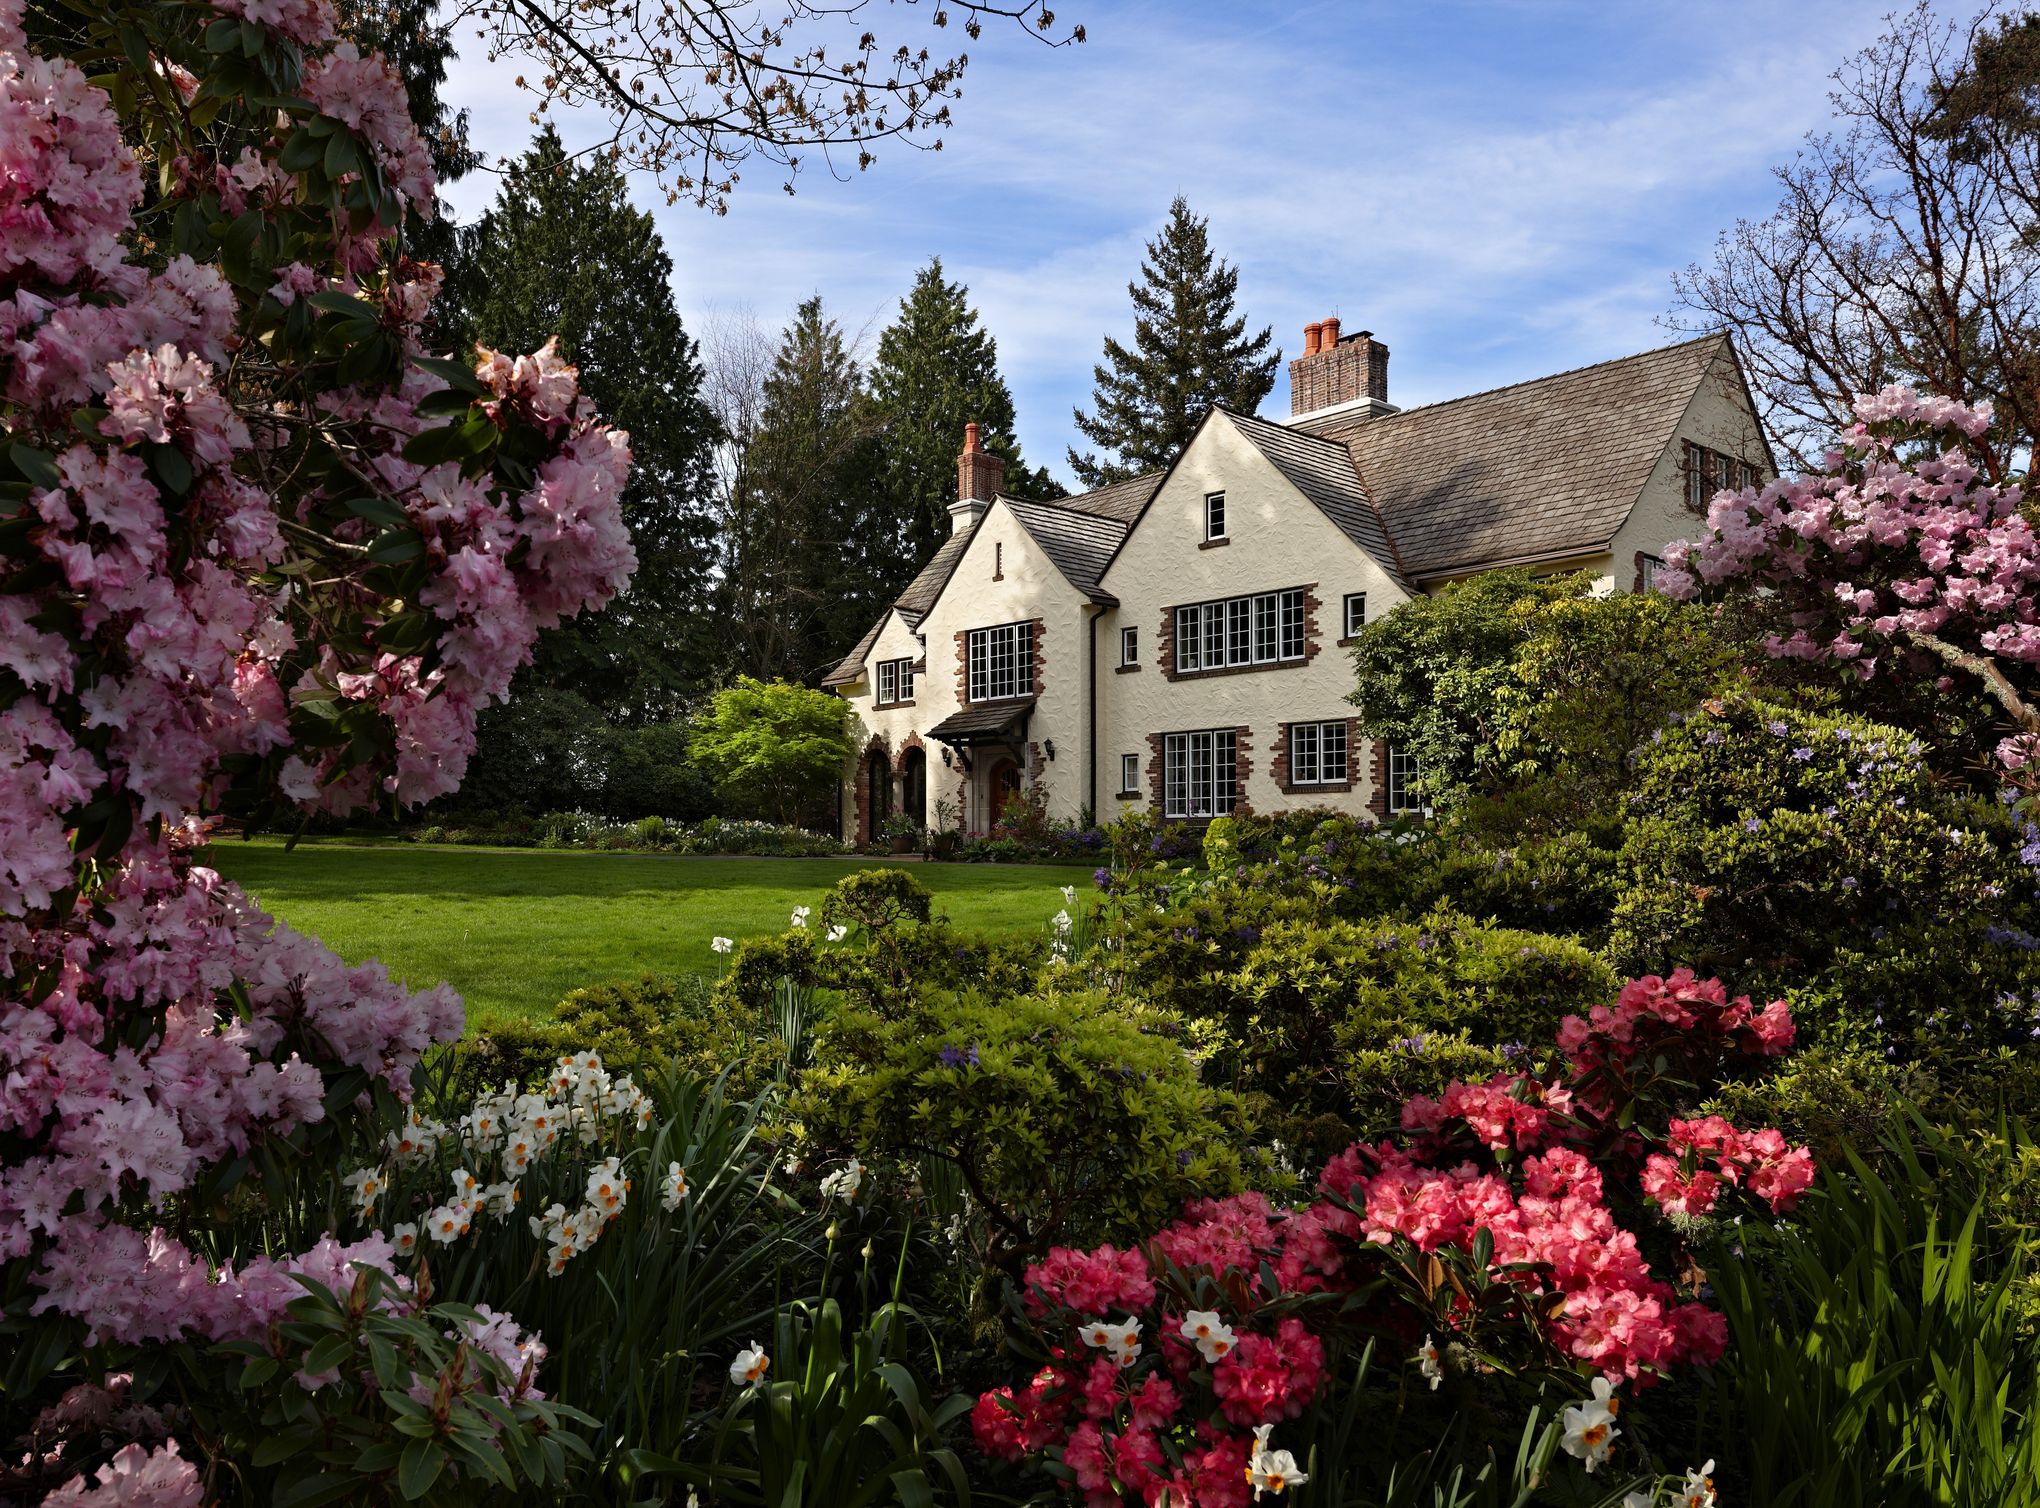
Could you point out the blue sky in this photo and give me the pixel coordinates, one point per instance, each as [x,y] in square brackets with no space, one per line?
[1497,188]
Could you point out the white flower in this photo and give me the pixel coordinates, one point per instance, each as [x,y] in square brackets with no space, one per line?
[838,932]
[721,944]
[1272,1470]
[1699,1489]
[1213,1336]
[366,1185]
[1590,1427]
[500,1199]
[845,1182]
[1637,1500]
[674,1188]
[801,914]
[1430,1363]
[1063,922]
[404,1238]
[607,1186]
[749,1369]
[449,1222]
[1121,1341]
[1069,894]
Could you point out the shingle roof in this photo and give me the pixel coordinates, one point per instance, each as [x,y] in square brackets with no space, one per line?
[851,666]
[922,591]
[988,722]
[1080,544]
[1542,468]
[1322,470]
[1118,500]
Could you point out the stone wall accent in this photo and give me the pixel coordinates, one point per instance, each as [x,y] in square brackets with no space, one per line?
[1279,765]
[1039,639]
[899,759]
[1377,768]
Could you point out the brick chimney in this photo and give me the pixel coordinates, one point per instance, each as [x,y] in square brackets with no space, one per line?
[978,475]
[1339,372]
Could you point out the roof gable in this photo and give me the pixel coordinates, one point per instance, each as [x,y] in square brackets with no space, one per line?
[1322,470]
[1541,468]
[1079,544]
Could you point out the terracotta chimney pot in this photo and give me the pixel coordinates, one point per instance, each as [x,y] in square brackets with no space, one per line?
[1329,335]
[970,437]
[1311,333]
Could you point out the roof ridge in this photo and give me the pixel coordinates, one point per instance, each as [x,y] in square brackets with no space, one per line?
[1276,425]
[1488,392]
[1060,507]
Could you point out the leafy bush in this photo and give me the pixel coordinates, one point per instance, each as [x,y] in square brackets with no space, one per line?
[1814,857]
[772,746]
[656,834]
[1565,883]
[1068,1118]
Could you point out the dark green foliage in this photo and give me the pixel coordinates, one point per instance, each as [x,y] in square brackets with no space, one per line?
[1882,1349]
[937,371]
[552,750]
[771,748]
[1071,1120]
[1814,857]
[1190,353]
[874,901]
[1563,884]
[563,252]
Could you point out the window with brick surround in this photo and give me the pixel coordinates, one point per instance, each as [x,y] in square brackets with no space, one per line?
[1129,646]
[895,682]
[1710,471]
[1129,774]
[1214,515]
[1199,776]
[1356,612]
[1317,753]
[1263,629]
[1402,781]
[1001,662]
[1647,568]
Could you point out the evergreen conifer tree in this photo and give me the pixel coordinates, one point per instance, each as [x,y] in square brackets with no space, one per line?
[563,252]
[1190,351]
[938,370]
[808,547]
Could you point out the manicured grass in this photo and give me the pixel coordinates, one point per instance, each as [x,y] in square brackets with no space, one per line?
[515,929]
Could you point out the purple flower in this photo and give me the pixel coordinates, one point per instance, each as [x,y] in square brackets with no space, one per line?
[1802,753]
[958,1057]
[1751,824]
[1776,728]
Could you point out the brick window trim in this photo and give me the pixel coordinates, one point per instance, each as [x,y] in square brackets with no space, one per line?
[1038,639]
[1278,765]
[1124,669]
[1214,544]
[1243,766]
[890,706]
[1165,644]
[1636,578]
[1377,771]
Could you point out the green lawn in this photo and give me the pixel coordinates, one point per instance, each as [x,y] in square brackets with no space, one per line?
[515,929]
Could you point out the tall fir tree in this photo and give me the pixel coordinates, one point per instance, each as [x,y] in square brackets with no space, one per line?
[938,370]
[563,252]
[807,544]
[1190,352]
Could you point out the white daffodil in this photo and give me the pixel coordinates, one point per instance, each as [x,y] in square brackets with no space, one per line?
[1063,922]
[404,1238]
[1431,1363]
[1069,895]
[1272,1471]
[844,1182]
[366,1185]
[1638,1500]
[801,914]
[1699,1489]
[1212,1336]
[607,1187]
[838,932]
[673,1188]
[1120,1341]
[1590,1427]
[750,1367]
[721,944]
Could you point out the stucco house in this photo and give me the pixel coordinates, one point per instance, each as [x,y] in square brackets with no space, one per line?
[1173,641]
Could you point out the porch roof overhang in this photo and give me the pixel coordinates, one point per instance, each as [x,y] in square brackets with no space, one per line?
[988,723]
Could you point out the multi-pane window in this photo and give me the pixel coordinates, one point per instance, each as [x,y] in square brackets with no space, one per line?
[895,682]
[1648,567]
[1317,753]
[1402,781]
[1129,774]
[1214,515]
[1710,471]
[1199,777]
[1001,662]
[1356,612]
[1258,630]
[1129,646]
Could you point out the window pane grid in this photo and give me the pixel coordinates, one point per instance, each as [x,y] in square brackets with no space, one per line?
[1199,777]
[1253,630]
[1001,662]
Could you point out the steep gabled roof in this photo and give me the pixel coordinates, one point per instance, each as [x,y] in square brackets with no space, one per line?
[1079,543]
[1322,470]
[851,667]
[1116,500]
[922,591]
[1539,469]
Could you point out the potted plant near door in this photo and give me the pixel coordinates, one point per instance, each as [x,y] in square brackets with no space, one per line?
[903,832]
[943,838]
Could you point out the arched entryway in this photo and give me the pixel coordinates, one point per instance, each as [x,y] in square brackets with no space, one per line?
[877,793]
[914,786]
[1002,784]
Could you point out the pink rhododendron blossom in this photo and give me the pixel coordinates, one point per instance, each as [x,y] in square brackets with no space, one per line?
[136,1478]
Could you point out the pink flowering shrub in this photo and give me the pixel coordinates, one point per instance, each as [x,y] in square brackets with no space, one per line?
[1508,1226]
[261,555]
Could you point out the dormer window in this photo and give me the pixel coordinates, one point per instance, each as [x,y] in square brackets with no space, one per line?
[895,682]
[1214,515]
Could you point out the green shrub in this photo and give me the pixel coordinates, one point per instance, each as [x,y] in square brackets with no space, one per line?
[1071,1120]
[1813,857]
[874,901]
[1564,884]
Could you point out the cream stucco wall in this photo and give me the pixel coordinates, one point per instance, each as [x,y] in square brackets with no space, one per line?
[1278,538]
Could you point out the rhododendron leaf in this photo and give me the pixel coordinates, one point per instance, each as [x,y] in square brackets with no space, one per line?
[273,1448]
[223,36]
[301,152]
[252,39]
[455,374]
[36,465]
[171,466]
[377,509]
[396,544]
[342,155]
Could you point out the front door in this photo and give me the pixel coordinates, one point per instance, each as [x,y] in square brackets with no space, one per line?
[877,794]
[914,786]
[1002,784]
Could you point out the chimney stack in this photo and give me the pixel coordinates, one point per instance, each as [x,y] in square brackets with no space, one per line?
[978,475]
[1335,372]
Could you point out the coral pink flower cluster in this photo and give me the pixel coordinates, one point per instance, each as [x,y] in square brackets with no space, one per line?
[185,625]
[1928,565]
[1529,1173]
